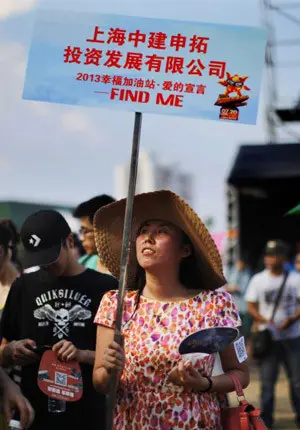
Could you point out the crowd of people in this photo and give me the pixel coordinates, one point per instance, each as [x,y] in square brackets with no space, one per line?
[54,284]
[63,292]
[256,296]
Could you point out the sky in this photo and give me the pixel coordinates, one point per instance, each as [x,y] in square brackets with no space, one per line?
[52,153]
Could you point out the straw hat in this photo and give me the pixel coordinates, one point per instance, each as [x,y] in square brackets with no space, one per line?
[167,206]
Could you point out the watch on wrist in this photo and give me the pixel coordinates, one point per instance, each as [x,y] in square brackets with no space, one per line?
[209,385]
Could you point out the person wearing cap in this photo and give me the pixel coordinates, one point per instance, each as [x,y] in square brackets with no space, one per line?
[85,213]
[261,296]
[173,275]
[54,306]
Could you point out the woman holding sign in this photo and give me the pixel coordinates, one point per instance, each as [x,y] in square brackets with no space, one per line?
[174,273]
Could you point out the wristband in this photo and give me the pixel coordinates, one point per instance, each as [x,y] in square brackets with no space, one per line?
[209,386]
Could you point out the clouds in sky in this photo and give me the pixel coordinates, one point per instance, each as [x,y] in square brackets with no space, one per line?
[59,153]
[11,7]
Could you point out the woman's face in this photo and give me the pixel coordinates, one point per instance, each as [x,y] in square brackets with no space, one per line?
[160,244]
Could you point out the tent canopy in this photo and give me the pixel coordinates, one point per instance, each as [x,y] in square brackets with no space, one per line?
[267,178]
[255,164]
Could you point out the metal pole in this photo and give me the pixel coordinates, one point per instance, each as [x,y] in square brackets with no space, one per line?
[271,70]
[124,260]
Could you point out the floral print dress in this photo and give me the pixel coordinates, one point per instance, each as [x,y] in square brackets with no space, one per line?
[152,335]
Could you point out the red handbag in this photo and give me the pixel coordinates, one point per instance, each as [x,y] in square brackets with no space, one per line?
[242,417]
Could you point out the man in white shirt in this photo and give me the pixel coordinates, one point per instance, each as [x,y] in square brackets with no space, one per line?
[285,327]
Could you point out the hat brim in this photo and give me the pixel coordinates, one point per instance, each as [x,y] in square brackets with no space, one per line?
[167,206]
[43,257]
[294,211]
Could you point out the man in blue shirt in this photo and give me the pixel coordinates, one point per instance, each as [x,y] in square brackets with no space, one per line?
[85,213]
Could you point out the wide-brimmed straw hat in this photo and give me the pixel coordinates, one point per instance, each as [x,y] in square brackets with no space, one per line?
[163,205]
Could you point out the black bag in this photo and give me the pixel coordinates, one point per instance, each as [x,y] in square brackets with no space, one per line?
[262,341]
[262,344]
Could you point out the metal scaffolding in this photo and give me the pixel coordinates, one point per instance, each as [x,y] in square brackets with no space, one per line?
[232,246]
[277,118]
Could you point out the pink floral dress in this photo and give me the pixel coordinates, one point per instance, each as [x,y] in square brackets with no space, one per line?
[152,335]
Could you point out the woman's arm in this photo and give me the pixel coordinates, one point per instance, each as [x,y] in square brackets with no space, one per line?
[188,377]
[109,356]
[101,376]
[230,363]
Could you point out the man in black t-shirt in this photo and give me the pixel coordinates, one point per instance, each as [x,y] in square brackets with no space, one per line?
[54,306]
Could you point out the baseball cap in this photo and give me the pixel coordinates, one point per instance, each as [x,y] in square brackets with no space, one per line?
[276,247]
[42,235]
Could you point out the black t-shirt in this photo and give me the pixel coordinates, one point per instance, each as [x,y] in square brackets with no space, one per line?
[47,310]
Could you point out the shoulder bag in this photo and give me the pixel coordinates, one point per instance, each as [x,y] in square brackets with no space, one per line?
[242,417]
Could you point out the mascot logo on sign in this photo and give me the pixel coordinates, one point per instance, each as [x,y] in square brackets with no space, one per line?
[232,97]
[234,84]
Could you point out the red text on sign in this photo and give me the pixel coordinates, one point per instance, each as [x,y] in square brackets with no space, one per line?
[134,60]
[86,77]
[137,61]
[154,63]
[137,96]
[113,59]
[97,36]
[175,65]
[117,36]
[178,87]
[170,100]
[178,42]
[157,41]
[199,44]
[195,67]
[217,68]
[129,95]
[136,38]
[93,56]
[72,55]
[154,40]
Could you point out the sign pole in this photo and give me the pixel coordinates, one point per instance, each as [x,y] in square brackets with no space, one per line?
[124,260]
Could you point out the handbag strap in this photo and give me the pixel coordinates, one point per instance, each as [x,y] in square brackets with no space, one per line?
[279,295]
[237,384]
[245,414]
